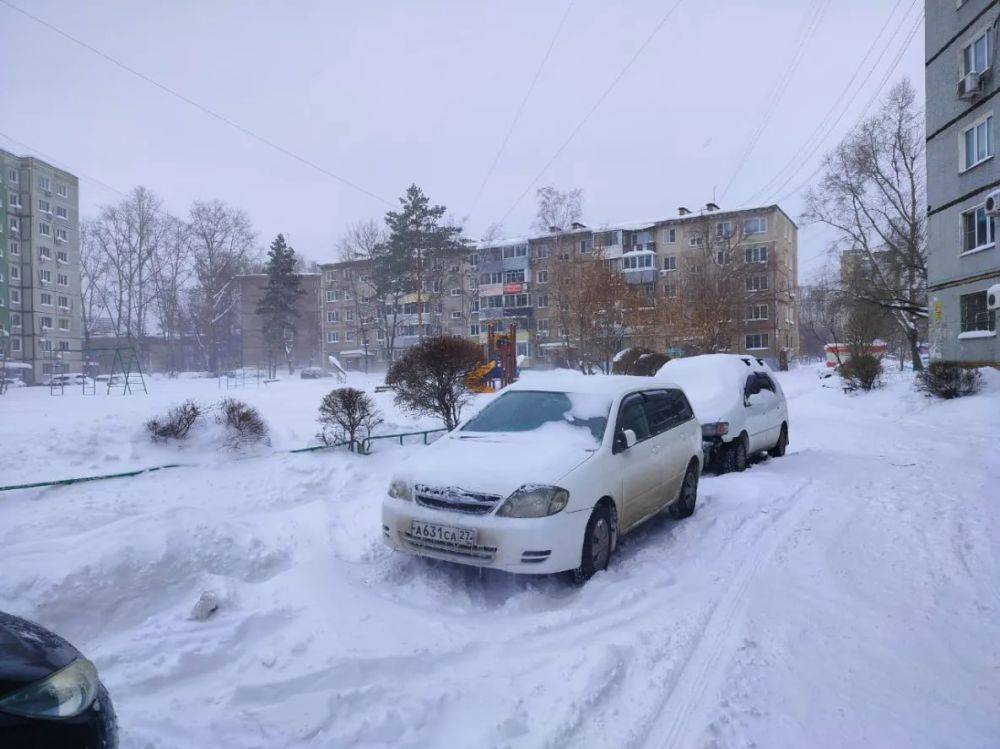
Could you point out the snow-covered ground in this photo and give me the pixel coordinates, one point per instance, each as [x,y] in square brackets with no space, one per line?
[845,595]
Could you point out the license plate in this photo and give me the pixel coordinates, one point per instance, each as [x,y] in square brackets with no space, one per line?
[446,533]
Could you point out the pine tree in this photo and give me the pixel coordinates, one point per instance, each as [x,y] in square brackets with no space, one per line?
[277,306]
[416,237]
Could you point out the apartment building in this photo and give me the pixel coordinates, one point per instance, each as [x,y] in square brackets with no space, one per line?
[511,281]
[39,267]
[306,349]
[963,261]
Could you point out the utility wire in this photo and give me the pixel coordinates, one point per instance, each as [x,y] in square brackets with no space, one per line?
[520,109]
[201,107]
[892,68]
[600,99]
[50,159]
[808,27]
[829,123]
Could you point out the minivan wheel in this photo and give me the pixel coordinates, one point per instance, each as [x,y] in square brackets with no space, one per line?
[735,456]
[779,448]
[597,541]
[683,507]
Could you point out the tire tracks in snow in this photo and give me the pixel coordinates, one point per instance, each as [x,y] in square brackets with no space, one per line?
[672,726]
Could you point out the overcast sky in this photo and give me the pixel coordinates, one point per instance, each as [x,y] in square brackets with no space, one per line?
[389,93]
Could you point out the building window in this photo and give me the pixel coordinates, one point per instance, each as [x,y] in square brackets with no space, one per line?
[756,254]
[756,341]
[722,257]
[63,302]
[331,295]
[542,301]
[349,336]
[977,143]
[15,320]
[15,344]
[328,276]
[332,316]
[513,276]
[44,229]
[64,345]
[976,55]
[350,315]
[15,273]
[670,262]
[696,240]
[755,225]
[542,276]
[543,327]
[669,236]
[456,292]
[757,312]
[61,212]
[586,245]
[46,323]
[516,300]
[43,206]
[46,299]
[61,190]
[542,252]
[63,324]
[61,235]
[977,230]
[62,257]
[637,262]
[15,227]
[62,279]
[15,296]
[474,260]
[45,253]
[333,337]
[14,200]
[45,276]
[724,229]
[475,305]
[975,315]
[13,176]
[669,289]
[520,250]
[43,183]
[456,315]
[756,283]
[14,247]
[474,329]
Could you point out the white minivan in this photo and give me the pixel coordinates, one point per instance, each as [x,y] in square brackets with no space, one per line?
[739,403]
[548,475]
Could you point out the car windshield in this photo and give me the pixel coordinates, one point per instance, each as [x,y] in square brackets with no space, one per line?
[527,410]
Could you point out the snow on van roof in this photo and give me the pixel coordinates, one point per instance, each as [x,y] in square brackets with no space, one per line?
[711,381]
[568,381]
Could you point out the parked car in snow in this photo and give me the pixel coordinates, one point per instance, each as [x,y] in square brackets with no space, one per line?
[545,478]
[50,695]
[314,373]
[739,403]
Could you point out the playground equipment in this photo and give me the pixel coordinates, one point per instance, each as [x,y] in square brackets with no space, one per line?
[127,366]
[338,369]
[500,368]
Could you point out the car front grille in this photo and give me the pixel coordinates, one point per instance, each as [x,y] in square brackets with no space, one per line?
[455,499]
[477,553]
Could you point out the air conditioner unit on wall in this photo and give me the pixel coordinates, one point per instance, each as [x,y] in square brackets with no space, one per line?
[970,86]
[993,297]
[992,204]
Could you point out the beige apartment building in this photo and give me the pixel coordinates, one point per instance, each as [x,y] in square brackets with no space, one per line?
[511,281]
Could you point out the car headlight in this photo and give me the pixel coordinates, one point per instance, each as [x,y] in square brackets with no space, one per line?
[67,692]
[399,489]
[534,501]
[717,429]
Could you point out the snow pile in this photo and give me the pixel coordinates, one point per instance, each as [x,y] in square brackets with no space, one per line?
[843,595]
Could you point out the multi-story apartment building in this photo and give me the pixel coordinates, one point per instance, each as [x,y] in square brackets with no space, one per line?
[962,256]
[512,281]
[40,266]
[306,346]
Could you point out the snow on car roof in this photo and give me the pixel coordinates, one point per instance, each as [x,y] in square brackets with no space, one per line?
[576,382]
[711,381]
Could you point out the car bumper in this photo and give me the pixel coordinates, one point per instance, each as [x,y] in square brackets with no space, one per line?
[533,546]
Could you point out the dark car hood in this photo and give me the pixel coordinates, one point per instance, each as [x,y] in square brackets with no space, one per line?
[29,653]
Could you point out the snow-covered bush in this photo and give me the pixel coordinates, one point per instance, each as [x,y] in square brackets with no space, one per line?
[176,424]
[429,377]
[861,372]
[639,361]
[949,380]
[242,421]
[346,414]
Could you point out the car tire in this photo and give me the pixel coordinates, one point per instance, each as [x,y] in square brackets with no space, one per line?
[683,506]
[778,451]
[735,457]
[598,542]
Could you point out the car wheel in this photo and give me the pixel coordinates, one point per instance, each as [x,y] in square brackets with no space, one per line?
[597,543]
[779,448]
[735,456]
[683,506]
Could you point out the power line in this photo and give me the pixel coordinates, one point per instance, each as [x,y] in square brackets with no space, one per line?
[827,125]
[621,74]
[52,160]
[808,27]
[892,68]
[201,107]
[520,109]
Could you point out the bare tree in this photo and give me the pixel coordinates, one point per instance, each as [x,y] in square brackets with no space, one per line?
[873,193]
[371,315]
[172,272]
[222,246]
[94,277]
[557,210]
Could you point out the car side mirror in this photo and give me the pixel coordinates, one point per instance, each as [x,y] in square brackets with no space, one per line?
[624,440]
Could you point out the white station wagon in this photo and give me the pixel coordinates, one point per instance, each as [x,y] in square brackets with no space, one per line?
[547,476]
